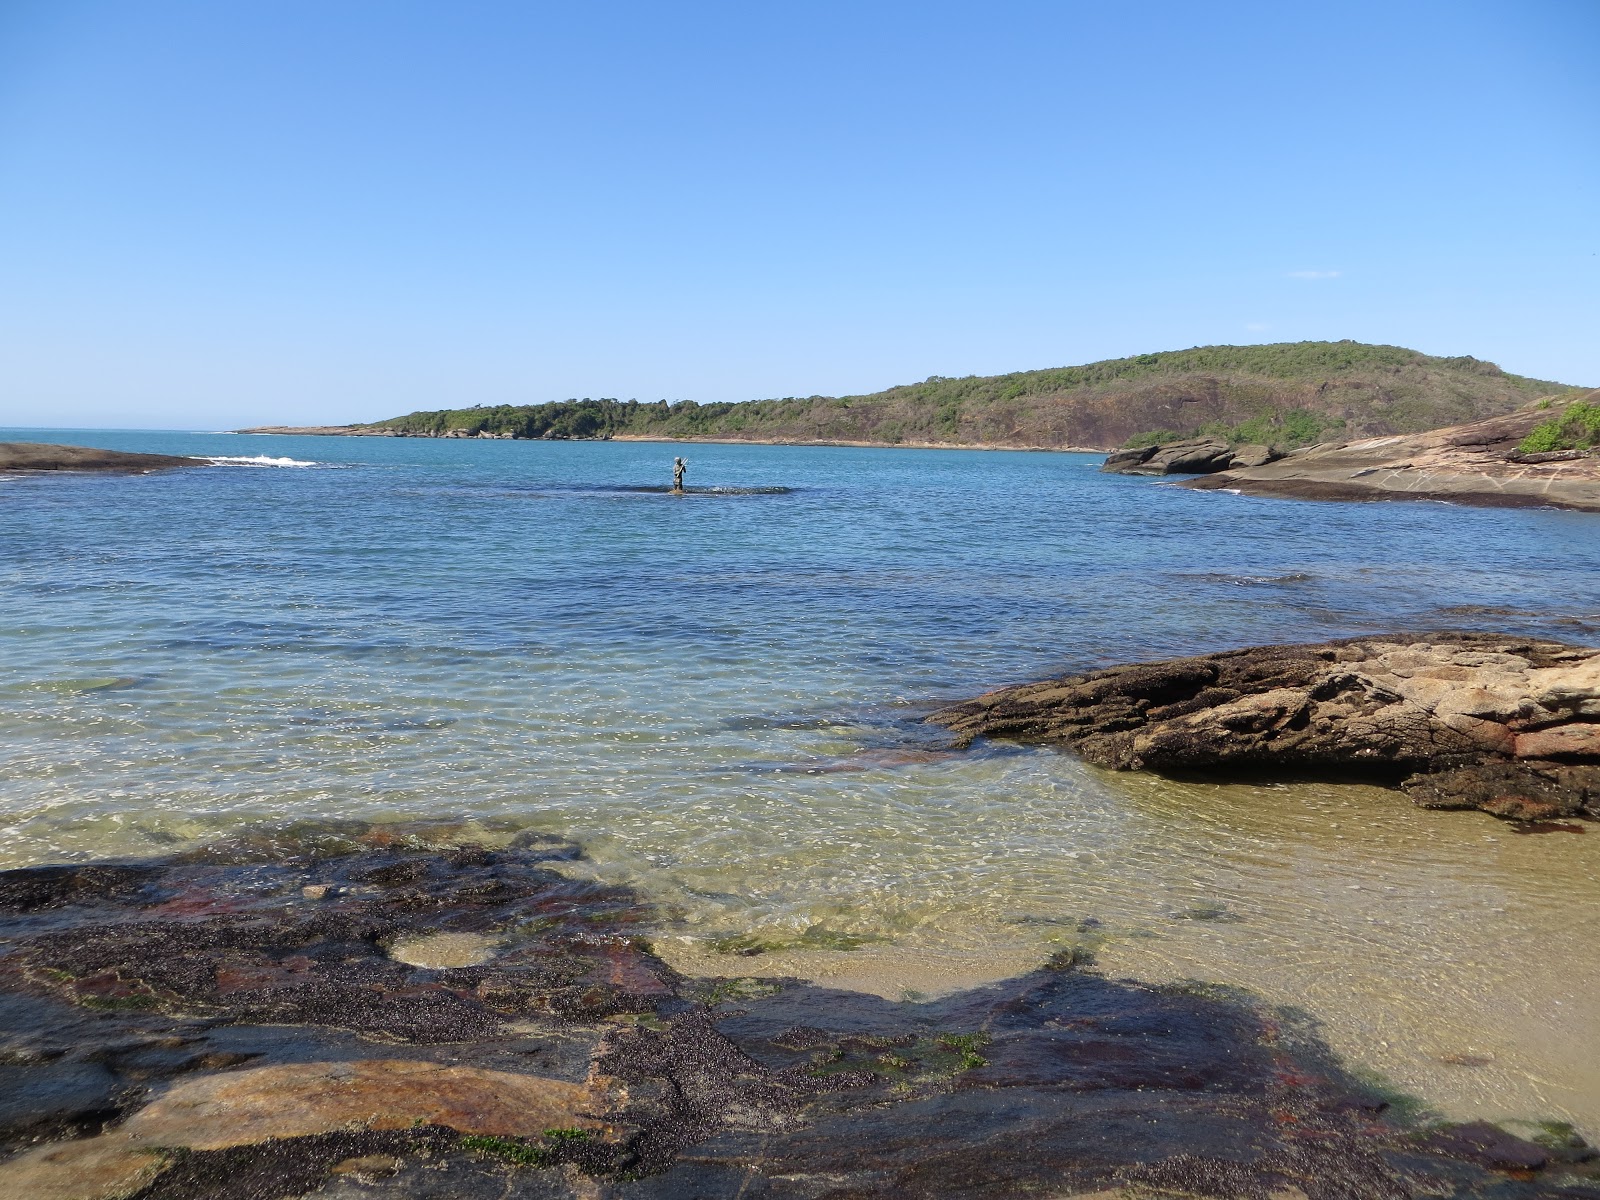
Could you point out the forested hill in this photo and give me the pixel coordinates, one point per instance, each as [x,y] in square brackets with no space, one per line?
[1290,393]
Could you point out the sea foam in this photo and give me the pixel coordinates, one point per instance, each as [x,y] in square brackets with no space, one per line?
[258,460]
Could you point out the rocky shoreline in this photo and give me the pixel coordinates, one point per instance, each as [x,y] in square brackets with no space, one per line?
[1507,725]
[371,431]
[42,456]
[1477,463]
[345,1010]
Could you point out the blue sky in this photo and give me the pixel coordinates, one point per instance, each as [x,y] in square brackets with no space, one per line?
[303,211]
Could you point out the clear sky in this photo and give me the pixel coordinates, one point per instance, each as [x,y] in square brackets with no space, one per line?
[329,210]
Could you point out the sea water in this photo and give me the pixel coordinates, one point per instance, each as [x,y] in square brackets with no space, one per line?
[720,695]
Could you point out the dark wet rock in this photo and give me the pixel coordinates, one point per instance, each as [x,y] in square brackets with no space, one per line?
[42,456]
[1122,461]
[29,889]
[300,1166]
[1490,1146]
[192,1029]
[54,1097]
[1549,456]
[252,946]
[1195,456]
[1466,720]
[1527,791]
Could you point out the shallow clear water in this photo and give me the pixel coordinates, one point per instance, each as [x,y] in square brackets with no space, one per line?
[719,694]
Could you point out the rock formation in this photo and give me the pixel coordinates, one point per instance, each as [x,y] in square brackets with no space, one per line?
[1461,720]
[1196,456]
[1468,464]
[234,1024]
[42,456]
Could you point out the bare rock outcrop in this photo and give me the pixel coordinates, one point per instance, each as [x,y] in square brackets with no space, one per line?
[1461,720]
[1194,456]
[43,456]
[1476,464]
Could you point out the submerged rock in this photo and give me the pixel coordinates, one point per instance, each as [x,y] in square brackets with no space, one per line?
[209,1029]
[1468,720]
[238,1108]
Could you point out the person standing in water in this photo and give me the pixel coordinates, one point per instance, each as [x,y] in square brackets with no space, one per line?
[678,468]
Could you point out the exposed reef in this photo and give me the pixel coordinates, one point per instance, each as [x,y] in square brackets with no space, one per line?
[1479,464]
[43,456]
[251,1023]
[1460,720]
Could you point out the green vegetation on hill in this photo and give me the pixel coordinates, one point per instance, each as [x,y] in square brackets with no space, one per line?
[1295,427]
[1576,428]
[1289,393]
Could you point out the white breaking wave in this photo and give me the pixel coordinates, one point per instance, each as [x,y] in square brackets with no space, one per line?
[259,460]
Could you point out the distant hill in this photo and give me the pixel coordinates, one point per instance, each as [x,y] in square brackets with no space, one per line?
[1292,393]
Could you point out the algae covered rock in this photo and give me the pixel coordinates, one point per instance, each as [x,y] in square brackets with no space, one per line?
[200,1022]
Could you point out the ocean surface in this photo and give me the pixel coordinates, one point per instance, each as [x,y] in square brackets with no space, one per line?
[719,695]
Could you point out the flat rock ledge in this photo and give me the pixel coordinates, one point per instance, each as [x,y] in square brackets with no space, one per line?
[1477,464]
[1460,720]
[44,456]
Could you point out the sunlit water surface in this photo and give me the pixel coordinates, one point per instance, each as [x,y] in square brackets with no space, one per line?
[719,695]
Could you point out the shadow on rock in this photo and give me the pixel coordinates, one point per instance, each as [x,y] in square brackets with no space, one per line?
[237,1024]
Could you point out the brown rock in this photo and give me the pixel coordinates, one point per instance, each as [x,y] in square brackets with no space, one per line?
[101,1168]
[1573,691]
[1489,736]
[1252,456]
[1474,720]
[300,1099]
[1563,741]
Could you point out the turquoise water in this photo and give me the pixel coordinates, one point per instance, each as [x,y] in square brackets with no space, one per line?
[719,695]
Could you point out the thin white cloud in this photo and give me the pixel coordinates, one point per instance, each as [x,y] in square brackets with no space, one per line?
[1256,326]
[1315,274]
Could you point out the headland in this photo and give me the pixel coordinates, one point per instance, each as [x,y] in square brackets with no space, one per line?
[1289,394]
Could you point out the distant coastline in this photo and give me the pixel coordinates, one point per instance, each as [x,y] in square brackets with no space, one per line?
[866,445]
[1286,395]
[369,431]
